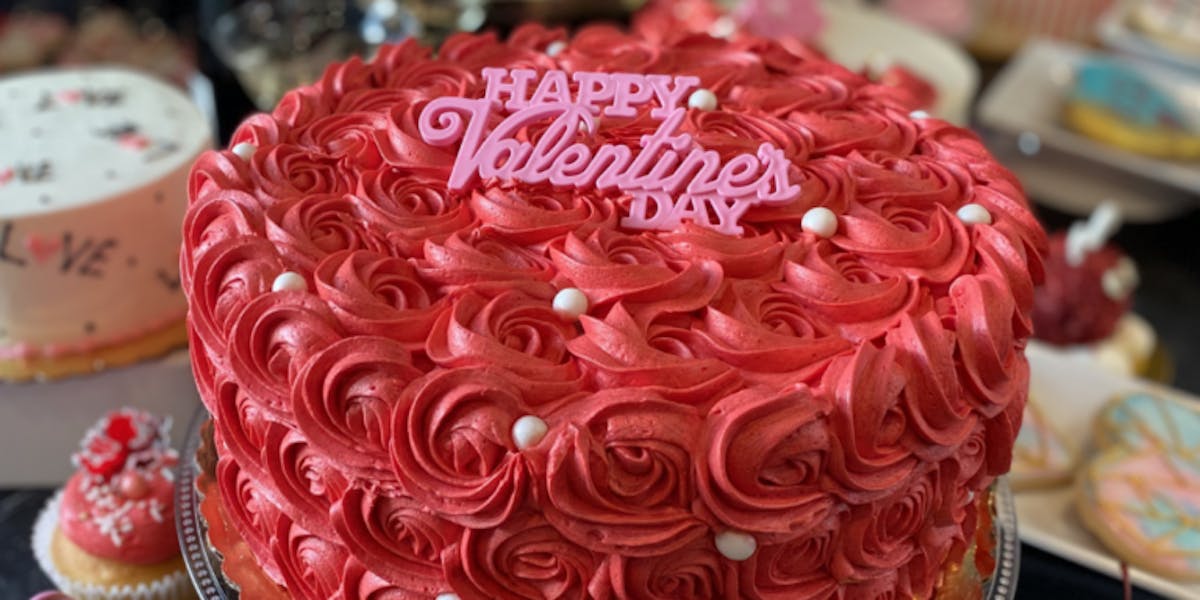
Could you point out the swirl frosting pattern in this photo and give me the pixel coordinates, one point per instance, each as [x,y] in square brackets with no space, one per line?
[839,399]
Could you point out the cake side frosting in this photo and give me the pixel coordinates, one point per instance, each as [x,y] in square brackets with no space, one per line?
[405,403]
[91,201]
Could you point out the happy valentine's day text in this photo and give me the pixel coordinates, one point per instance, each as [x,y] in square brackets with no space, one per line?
[669,178]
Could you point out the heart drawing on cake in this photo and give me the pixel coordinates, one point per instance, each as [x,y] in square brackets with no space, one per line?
[133,141]
[69,96]
[42,248]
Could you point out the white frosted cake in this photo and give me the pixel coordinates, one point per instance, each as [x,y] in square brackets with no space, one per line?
[93,187]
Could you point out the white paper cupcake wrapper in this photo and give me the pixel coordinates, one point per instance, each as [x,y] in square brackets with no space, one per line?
[175,586]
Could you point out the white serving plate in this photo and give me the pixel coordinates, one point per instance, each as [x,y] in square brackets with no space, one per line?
[1113,29]
[41,423]
[1070,171]
[854,35]
[1071,390]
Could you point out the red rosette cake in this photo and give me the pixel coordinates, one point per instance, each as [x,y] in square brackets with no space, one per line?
[606,317]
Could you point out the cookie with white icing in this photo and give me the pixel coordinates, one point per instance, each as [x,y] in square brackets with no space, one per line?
[1041,456]
[93,186]
[1140,494]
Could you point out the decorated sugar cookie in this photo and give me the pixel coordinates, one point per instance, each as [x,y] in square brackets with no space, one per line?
[1041,457]
[1145,421]
[1141,493]
[1145,506]
[1115,104]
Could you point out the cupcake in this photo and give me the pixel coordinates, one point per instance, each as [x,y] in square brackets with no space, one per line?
[110,532]
[1083,307]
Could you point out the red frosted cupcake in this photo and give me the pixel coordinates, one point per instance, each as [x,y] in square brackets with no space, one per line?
[1084,304]
[110,532]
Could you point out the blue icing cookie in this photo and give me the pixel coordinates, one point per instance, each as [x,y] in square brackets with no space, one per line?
[1144,505]
[1141,420]
[1163,521]
[1131,95]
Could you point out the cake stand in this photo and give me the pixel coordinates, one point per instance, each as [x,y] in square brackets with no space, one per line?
[204,563]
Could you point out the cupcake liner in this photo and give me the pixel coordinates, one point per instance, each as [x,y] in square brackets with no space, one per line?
[175,586]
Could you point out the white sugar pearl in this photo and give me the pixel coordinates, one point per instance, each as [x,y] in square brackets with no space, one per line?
[878,63]
[1113,284]
[723,27]
[447,596]
[1120,280]
[528,431]
[819,221]
[555,48]
[702,99]
[974,214]
[570,303]
[245,150]
[288,281]
[918,114]
[1029,143]
[736,545]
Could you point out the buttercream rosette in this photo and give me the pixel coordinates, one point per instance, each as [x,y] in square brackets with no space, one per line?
[838,399]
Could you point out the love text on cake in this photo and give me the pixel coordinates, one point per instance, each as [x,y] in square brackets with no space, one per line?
[669,177]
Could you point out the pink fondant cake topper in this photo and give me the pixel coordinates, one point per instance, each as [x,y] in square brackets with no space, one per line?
[670,178]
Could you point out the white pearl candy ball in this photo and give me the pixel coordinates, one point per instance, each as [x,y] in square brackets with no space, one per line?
[736,545]
[289,281]
[819,221]
[1120,280]
[570,303]
[974,214]
[447,596]
[245,150]
[555,48]
[703,99]
[723,27]
[1029,143]
[528,431]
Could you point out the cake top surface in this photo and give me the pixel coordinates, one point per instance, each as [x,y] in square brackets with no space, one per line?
[639,303]
[78,136]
